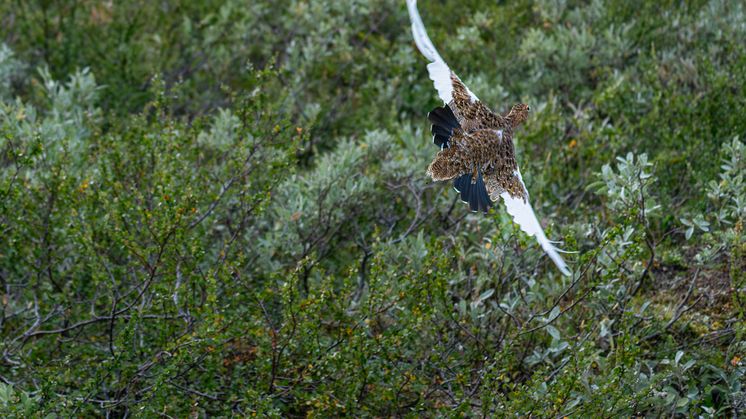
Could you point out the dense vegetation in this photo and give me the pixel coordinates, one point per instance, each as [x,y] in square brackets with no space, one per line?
[219,207]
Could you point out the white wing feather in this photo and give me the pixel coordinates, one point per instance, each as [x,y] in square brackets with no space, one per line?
[439,72]
[523,214]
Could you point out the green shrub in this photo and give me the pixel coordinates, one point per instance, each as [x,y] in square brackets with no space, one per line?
[218,208]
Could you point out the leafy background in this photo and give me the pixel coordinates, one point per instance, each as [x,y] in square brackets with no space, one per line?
[219,208]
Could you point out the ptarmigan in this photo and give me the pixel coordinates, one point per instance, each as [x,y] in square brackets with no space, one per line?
[477,145]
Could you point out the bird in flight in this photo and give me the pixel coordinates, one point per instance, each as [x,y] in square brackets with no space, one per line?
[476,145]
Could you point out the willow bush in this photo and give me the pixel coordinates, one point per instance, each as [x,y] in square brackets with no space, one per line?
[219,208]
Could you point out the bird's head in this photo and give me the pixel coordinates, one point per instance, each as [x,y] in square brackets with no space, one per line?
[518,114]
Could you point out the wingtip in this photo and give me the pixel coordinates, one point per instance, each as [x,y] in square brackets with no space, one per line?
[565,272]
[523,214]
[553,254]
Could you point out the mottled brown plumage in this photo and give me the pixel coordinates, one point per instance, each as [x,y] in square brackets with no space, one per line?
[472,115]
[482,143]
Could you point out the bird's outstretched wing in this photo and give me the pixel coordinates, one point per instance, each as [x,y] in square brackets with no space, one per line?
[469,111]
[515,196]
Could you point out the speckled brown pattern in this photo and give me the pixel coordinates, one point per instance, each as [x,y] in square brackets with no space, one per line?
[447,165]
[483,141]
[517,115]
[472,115]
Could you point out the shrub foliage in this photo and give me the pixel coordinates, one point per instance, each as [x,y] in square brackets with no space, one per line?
[220,208]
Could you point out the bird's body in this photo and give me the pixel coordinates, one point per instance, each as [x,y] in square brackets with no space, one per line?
[477,145]
[480,142]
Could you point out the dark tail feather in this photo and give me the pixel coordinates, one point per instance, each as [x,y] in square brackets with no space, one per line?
[475,194]
[444,121]
[462,184]
[483,198]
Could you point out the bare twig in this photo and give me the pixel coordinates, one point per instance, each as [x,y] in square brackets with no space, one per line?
[681,308]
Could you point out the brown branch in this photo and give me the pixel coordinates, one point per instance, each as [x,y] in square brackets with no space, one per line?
[680,309]
[581,298]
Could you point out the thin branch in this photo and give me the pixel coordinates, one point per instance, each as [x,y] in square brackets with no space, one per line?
[681,308]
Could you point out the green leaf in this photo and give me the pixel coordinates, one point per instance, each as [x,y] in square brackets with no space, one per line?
[486,294]
[553,314]
[554,332]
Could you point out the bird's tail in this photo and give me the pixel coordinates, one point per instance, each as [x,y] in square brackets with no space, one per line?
[473,191]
